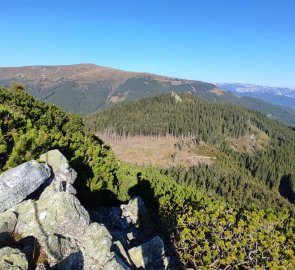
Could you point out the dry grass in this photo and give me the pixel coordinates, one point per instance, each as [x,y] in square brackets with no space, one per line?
[217,92]
[155,150]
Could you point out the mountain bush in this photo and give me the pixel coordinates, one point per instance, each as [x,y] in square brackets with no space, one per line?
[203,233]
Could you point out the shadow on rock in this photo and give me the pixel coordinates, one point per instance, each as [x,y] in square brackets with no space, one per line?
[134,233]
[73,261]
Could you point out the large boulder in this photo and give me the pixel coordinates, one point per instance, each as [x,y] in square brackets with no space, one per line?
[75,261]
[61,213]
[12,259]
[97,243]
[17,183]
[56,221]
[63,252]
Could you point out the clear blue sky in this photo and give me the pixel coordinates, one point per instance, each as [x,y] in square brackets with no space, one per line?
[211,40]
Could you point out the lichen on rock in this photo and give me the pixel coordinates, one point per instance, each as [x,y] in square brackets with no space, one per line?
[12,259]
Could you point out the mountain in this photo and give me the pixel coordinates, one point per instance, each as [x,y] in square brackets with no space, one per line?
[198,228]
[274,95]
[86,88]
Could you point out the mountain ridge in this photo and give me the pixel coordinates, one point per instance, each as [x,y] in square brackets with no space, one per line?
[103,85]
[86,88]
[281,96]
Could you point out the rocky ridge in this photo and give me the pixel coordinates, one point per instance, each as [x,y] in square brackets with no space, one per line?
[44,226]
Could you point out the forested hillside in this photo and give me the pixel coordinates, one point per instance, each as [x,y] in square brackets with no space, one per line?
[86,88]
[269,165]
[177,114]
[200,232]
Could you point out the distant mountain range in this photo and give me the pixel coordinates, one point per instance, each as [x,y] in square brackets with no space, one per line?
[86,88]
[275,95]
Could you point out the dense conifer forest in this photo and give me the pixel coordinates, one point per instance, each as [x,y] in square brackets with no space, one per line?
[268,167]
[202,231]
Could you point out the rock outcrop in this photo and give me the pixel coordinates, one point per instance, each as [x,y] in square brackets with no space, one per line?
[133,210]
[64,175]
[54,226]
[17,183]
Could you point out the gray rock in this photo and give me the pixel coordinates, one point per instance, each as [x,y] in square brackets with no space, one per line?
[61,250]
[120,250]
[148,253]
[12,259]
[74,261]
[54,158]
[8,221]
[61,213]
[130,236]
[64,175]
[55,187]
[133,210]
[17,183]
[96,243]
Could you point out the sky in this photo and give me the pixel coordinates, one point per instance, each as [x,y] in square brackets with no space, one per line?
[242,41]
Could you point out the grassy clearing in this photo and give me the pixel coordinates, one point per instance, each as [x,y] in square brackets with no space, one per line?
[160,151]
